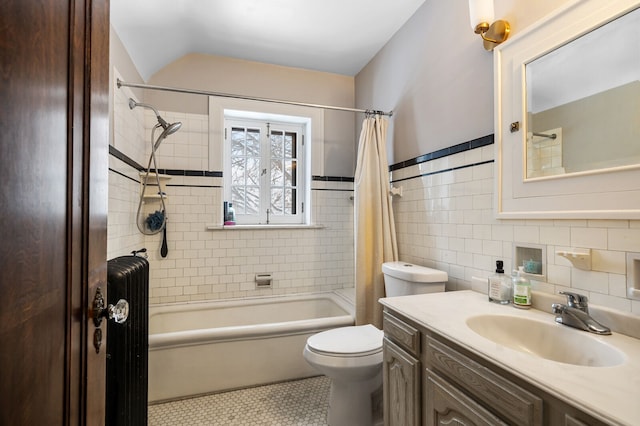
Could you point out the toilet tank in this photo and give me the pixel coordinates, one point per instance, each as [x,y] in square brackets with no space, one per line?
[402,278]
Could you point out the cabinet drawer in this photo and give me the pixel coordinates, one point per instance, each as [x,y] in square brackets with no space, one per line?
[401,333]
[446,405]
[500,396]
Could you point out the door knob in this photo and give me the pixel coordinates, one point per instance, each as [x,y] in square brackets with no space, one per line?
[118,312]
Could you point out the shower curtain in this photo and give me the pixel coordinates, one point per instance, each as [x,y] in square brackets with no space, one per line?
[375,235]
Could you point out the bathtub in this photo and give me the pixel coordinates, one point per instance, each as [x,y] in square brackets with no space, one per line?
[205,347]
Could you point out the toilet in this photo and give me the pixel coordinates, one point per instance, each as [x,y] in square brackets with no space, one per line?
[402,278]
[352,356]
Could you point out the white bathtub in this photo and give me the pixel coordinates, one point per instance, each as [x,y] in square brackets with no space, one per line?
[197,348]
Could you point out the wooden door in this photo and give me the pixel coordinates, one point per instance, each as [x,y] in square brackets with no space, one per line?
[53,206]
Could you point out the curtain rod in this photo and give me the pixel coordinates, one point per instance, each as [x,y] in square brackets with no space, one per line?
[249,98]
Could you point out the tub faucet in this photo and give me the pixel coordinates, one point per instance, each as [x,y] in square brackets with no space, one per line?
[576,314]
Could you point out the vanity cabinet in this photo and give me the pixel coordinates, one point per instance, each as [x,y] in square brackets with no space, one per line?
[429,380]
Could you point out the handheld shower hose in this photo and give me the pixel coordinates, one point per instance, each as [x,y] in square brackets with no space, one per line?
[168,129]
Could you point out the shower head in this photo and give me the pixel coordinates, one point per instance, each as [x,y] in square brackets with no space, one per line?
[169,128]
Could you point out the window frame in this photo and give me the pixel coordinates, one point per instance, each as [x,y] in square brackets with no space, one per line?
[265,126]
[313,118]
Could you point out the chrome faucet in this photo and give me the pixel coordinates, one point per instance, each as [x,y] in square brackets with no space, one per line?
[576,300]
[576,314]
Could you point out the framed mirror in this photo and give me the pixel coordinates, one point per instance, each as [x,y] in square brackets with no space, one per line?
[567,107]
[583,102]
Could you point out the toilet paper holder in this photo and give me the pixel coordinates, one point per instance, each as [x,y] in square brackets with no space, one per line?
[263,280]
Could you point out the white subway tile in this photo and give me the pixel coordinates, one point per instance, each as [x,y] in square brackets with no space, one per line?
[618,285]
[597,282]
[589,237]
[613,302]
[526,234]
[556,235]
[624,239]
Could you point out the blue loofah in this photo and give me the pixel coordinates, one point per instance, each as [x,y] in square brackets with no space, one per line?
[155,220]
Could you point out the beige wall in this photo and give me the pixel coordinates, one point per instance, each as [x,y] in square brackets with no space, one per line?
[437,78]
[119,57]
[235,76]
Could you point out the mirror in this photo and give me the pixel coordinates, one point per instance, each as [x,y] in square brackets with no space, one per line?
[583,102]
[574,74]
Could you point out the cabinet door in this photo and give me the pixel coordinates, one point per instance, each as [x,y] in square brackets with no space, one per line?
[445,405]
[401,378]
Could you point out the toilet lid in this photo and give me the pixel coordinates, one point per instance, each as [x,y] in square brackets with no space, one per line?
[347,341]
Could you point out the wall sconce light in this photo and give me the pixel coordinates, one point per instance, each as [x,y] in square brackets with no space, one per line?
[481,16]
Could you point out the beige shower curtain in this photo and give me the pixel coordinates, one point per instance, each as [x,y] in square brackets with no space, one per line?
[375,234]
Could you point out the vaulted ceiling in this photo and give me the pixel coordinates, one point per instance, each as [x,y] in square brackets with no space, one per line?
[338,36]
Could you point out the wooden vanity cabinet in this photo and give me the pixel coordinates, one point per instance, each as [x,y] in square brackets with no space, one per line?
[429,380]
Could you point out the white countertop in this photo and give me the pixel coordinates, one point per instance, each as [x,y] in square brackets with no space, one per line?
[611,394]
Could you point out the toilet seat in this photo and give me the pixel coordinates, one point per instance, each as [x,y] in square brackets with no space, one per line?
[354,341]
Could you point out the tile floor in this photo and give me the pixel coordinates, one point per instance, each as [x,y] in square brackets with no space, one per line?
[300,403]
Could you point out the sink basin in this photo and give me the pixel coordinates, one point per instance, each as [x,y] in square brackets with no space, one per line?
[550,341]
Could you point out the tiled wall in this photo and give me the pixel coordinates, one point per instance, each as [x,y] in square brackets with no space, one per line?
[188,148]
[445,220]
[204,263]
[217,264]
[124,189]
[129,139]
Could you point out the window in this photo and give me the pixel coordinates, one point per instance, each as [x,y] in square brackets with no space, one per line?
[264,174]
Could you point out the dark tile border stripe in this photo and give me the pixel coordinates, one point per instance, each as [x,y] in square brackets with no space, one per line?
[194,173]
[169,185]
[124,158]
[200,173]
[455,149]
[172,172]
[443,171]
[332,179]
[123,175]
[332,190]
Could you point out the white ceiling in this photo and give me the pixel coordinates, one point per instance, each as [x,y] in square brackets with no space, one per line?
[338,36]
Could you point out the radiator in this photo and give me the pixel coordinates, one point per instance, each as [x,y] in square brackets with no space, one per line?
[128,343]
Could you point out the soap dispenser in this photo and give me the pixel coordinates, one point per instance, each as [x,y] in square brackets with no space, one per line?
[521,290]
[499,286]
[230,218]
